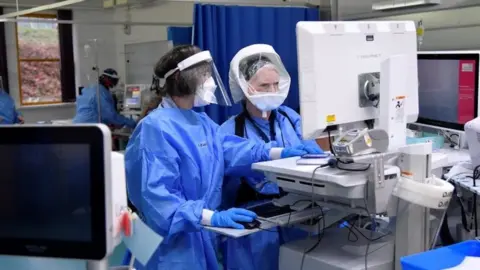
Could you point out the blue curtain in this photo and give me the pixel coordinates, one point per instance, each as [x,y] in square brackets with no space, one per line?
[224,30]
[179,35]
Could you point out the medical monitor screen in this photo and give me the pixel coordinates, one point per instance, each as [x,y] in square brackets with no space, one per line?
[133,96]
[448,89]
[45,192]
[52,191]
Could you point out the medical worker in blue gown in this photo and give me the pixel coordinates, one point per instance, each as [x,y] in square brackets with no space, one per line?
[176,161]
[259,79]
[87,103]
[8,113]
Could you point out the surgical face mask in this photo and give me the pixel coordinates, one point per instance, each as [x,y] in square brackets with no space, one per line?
[205,93]
[267,102]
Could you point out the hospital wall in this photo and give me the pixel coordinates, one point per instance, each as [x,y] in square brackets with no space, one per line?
[111,40]
[180,13]
[455,29]
[81,35]
[452,25]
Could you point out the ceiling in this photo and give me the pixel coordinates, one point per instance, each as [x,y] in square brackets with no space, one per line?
[98,4]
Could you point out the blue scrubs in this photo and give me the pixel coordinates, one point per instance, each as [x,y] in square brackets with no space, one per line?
[261,250]
[87,109]
[175,164]
[8,114]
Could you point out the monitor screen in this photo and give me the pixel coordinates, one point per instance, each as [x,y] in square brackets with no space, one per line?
[45,192]
[133,96]
[52,191]
[448,89]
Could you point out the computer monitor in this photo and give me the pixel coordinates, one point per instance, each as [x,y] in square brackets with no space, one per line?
[133,96]
[56,197]
[448,88]
[333,57]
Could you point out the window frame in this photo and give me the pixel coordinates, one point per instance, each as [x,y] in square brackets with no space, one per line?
[19,61]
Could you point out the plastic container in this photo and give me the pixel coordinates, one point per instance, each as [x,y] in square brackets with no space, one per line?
[442,258]
[436,140]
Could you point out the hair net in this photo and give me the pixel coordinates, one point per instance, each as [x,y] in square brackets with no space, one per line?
[188,71]
[247,64]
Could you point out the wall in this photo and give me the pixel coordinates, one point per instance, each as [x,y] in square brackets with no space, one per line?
[362,9]
[453,25]
[82,33]
[448,29]
[101,37]
[179,13]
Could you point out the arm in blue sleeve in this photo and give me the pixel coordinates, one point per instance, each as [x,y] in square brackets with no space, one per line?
[110,115]
[153,175]
[240,153]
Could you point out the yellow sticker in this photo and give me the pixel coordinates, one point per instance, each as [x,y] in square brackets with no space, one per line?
[331,118]
[368,140]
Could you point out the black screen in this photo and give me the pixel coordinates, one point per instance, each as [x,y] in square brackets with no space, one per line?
[448,89]
[45,192]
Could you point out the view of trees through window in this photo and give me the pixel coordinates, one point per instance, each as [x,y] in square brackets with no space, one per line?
[39,62]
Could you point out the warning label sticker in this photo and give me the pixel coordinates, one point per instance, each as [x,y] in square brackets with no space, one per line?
[399,103]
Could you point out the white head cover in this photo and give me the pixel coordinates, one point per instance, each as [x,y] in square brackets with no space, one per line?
[245,66]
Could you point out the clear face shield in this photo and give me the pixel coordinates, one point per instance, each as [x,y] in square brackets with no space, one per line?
[258,74]
[200,73]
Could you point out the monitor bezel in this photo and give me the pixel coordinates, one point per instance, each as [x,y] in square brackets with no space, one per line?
[93,136]
[454,56]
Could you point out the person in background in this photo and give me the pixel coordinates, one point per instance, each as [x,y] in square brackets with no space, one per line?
[176,160]
[87,105]
[257,73]
[8,113]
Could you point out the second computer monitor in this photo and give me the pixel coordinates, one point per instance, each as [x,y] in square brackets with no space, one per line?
[448,88]
[133,96]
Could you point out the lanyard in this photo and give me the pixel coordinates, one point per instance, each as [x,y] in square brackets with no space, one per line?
[271,121]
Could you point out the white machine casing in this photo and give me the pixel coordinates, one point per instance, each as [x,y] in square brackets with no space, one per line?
[472,133]
[330,66]
[394,99]
[115,190]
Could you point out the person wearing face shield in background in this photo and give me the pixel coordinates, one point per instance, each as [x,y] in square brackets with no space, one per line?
[87,103]
[176,161]
[257,73]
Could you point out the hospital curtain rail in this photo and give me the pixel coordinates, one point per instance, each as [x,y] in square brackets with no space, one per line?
[3,56]
[224,30]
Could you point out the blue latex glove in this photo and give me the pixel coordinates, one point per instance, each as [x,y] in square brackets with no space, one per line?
[313,149]
[293,151]
[230,217]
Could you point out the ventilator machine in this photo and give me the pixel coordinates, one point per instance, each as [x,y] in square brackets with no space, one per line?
[361,99]
[67,209]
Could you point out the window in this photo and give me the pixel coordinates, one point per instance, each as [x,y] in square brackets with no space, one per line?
[38,55]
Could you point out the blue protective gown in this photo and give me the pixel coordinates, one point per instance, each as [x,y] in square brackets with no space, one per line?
[8,113]
[261,250]
[175,165]
[87,110]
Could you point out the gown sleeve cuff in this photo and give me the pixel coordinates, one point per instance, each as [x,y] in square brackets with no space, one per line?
[276,153]
[207,217]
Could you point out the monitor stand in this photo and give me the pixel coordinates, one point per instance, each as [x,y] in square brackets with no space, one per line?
[97,265]
[33,263]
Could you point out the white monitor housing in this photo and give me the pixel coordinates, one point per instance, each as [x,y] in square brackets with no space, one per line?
[336,59]
[86,183]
